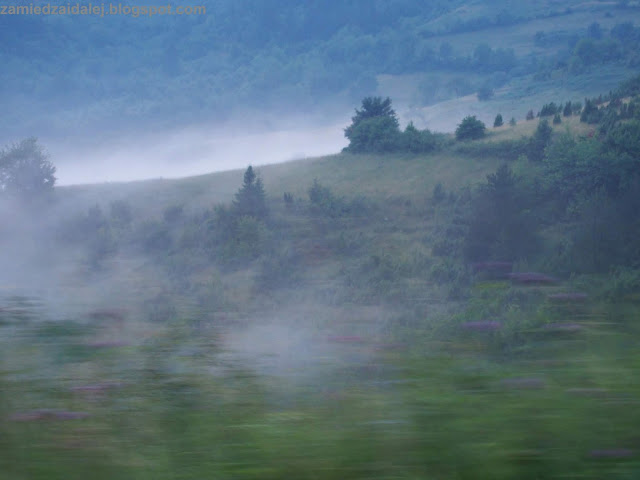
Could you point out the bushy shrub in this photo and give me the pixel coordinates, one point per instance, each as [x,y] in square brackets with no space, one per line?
[539,141]
[247,240]
[323,202]
[377,134]
[501,226]
[505,149]
[417,141]
[375,129]
[470,129]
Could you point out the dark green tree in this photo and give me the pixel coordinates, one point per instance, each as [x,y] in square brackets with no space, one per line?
[530,115]
[372,107]
[374,128]
[417,141]
[567,112]
[470,129]
[376,134]
[591,113]
[557,119]
[250,200]
[25,169]
[501,227]
[549,109]
[498,122]
[540,140]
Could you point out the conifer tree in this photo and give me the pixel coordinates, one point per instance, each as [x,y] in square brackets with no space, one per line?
[250,200]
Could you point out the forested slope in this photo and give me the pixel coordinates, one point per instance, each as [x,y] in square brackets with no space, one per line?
[64,72]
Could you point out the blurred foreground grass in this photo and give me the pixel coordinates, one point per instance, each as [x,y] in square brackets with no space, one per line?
[549,391]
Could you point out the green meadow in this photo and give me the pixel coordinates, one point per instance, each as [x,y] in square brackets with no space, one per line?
[383,320]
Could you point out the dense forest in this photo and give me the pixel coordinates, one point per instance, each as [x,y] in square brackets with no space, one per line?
[270,56]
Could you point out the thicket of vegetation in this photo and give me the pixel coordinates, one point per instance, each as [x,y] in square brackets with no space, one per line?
[375,128]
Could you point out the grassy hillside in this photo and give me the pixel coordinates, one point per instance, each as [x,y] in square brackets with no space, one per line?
[383,321]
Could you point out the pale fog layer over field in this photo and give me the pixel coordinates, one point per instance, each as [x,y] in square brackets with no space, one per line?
[185,152]
[202,149]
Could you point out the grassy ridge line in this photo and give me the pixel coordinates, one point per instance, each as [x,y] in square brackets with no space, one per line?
[377,176]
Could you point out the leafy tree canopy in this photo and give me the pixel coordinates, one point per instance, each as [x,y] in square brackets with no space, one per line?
[374,128]
[470,129]
[372,107]
[25,169]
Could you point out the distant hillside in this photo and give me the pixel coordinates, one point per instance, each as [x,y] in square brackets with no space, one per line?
[64,73]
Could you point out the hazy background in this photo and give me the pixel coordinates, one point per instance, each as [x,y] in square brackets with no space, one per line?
[123,98]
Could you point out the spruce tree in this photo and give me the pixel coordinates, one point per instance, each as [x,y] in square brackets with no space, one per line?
[250,200]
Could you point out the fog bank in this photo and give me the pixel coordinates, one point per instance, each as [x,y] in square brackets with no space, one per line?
[188,151]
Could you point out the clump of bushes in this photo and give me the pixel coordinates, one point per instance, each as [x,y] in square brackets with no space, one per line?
[375,129]
[323,202]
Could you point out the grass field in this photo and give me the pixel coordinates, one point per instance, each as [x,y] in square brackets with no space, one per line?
[372,356]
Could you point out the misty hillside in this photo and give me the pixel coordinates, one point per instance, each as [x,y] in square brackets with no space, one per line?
[64,74]
[452,293]
[462,304]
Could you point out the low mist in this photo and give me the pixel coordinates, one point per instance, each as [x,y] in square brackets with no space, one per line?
[189,151]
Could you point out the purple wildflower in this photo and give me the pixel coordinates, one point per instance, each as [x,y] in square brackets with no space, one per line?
[611,453]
